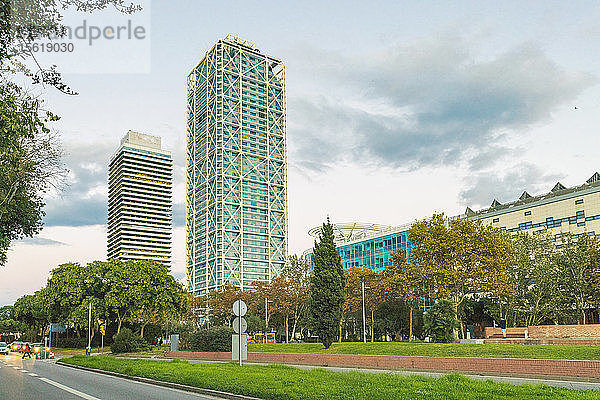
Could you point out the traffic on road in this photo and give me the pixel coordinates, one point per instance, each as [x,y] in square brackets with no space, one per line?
[35,379]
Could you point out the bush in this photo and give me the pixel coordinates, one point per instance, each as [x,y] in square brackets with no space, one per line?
[440,322]
[70,343]
[127,342]
[216,338]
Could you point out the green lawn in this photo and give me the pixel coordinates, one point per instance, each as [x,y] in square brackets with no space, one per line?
[438,350]
[283,382]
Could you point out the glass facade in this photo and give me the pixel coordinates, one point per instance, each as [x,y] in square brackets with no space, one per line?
[371,252]
[237,168]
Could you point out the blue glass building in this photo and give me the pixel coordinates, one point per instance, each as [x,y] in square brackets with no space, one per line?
[366,245]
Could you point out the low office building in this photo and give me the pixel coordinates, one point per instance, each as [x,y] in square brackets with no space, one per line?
[563,210]
[140,178]
[365,245]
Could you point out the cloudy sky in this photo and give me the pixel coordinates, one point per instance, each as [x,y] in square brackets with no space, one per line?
[396,110]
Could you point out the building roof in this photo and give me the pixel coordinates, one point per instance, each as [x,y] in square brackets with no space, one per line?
[559,190]
[348,232]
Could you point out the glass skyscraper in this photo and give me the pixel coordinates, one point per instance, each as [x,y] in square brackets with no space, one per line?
[236,224]
[139,200]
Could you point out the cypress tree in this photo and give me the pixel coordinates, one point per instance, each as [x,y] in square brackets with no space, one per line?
[326,287]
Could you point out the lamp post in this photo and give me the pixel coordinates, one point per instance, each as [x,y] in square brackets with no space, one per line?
[362,283]
[267,316]
[89,348]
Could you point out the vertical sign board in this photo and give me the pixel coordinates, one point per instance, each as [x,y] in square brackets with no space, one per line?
[235,347]
[175,342]
[239,342]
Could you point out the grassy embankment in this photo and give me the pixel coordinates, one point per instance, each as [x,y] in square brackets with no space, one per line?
[283,382]
[563,352]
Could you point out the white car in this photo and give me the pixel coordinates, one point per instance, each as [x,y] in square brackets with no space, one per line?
[3,348]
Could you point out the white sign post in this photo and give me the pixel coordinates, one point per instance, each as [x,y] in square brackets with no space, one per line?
[239,326]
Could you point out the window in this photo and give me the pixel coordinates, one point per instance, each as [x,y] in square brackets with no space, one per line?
[527,212]
[580,201]
[496,220]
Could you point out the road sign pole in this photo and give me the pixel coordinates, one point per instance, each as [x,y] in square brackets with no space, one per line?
[240,339]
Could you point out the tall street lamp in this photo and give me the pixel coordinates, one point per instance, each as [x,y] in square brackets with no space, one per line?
[267,316]
[362,283]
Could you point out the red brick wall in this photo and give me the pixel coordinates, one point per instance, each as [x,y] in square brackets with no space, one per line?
[501,366]
[550,331]
[565,331]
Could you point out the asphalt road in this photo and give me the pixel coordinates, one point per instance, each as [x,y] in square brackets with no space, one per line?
[44,380]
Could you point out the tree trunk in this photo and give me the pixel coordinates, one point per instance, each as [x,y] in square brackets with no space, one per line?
[287,331]
[294,327]
[410,324]
[340,338]
[455,332]
[120,320]
[372,326]
[142,329]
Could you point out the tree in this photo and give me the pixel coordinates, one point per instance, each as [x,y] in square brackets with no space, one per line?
[405,280]
[440,321]
[31,311]
[459,256]
[326,287]
[161,297]
[577,264]
[296,271]
[123,296]
[220,303]
[374,292]
[30,155]
[65,295]
[29,164]
[24,22]
[534,277]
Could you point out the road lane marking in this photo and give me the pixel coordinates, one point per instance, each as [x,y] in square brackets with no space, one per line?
[32,374]
[24,371]
[70,390]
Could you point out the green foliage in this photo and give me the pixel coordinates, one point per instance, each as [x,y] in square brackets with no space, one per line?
[70,343]
[279,382]
[326,287]
[30,156]
[151,331]
[255,323]
[392,319]
[128,342]
[577,263]
[29,164]
[440,321]
[216,338]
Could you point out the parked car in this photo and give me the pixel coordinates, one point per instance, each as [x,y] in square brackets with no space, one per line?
[3,348]
[16,346]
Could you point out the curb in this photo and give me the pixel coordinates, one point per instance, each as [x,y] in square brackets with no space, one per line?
[171,385]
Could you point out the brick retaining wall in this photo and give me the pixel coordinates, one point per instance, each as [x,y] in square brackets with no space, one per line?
[499,366]
[548,331]
[565,331]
